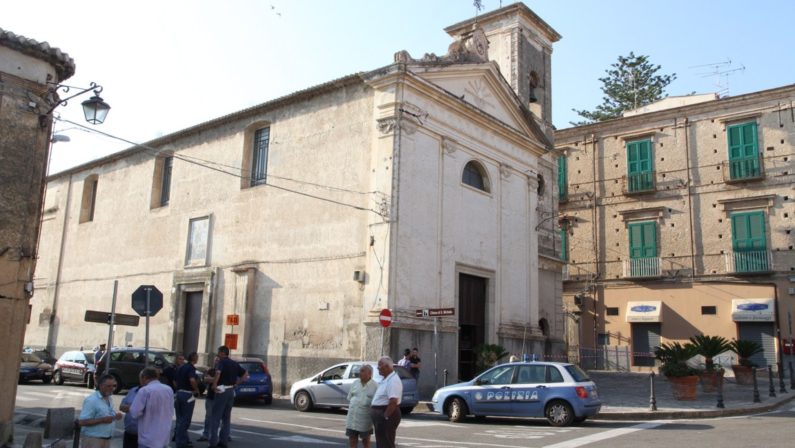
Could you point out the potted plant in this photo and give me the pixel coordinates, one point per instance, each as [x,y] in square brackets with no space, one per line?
[743,370]
[487,355]
[709,347]
[683,377]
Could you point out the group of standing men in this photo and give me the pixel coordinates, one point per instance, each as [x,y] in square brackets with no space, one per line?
[151,406]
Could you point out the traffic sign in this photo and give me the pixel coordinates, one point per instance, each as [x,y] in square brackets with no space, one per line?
[139,300]
[435,312]
[103,317]
[385,318]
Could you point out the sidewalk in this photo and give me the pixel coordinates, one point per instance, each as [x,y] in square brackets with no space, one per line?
[625,396]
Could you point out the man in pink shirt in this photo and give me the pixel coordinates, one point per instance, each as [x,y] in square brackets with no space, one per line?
[153,407]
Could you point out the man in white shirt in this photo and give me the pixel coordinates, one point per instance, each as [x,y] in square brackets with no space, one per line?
[385,410]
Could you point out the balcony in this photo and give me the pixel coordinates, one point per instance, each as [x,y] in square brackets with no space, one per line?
[749,262]
[640,183]
[648,267]
[743,170]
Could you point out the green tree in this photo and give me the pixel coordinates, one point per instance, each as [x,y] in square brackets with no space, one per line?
[630,83]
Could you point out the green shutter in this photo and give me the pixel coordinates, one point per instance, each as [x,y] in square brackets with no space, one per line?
[640,166]
[564,244]
[749,242]
[743,151]
[563,188]
[643,239]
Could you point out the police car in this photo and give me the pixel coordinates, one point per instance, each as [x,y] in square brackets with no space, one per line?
[561,392]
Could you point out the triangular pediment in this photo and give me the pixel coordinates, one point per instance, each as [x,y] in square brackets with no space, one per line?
[483,87]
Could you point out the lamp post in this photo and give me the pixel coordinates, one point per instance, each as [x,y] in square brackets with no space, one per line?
[95,108]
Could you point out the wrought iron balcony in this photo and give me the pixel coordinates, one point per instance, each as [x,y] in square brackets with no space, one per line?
[640,183]
[743,170]
[647,267]
[749,262]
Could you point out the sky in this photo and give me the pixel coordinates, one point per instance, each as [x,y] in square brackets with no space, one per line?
[168,65]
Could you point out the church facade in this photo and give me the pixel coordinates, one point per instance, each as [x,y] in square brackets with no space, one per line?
[423,187]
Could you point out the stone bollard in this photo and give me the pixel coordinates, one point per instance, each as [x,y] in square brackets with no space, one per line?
[445,377]
[720,404]
[772,388]
[791,376]
[756,386]
[652,395]
[59,423]
[781,388]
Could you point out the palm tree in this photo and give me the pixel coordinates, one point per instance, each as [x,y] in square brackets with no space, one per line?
[710,347]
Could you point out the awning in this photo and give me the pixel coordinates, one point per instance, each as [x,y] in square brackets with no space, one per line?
[650,311]
[753,310]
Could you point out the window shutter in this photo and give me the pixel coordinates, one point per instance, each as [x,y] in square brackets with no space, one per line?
[562,179]
[564,244]
[743,151]
[642,240]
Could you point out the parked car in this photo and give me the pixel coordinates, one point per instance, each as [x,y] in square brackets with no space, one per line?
[258,384]
[561,392]
[330,387]
[31,367]
[75,366]
[43,354]
[126,363]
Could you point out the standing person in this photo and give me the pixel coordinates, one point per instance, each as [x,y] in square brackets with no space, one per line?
[415,363]
[209,379]
[228,374]
[385,410]
[359,424]
[169,375]
[406,359]
[153,407]
[97,416]
[187,391]
[130,423]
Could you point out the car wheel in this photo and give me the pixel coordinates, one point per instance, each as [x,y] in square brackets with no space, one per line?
[457,410]
[119,385]
[46,380]
[406,410]
[303,402]
[559,413]
[57,377]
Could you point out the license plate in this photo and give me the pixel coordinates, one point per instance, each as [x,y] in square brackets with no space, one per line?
[248,389]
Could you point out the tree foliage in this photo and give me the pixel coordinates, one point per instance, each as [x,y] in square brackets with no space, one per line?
[630,83]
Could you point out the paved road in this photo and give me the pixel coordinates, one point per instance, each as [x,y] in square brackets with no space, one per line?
[279,425]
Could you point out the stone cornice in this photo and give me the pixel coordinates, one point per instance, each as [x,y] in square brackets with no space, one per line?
[64,65]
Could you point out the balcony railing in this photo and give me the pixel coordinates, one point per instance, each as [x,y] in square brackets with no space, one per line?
[565,272]
[638,183]
[743,170]
[648,267]
[749,262]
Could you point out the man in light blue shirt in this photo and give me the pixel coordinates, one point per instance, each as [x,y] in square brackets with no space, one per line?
[153,407]
[97,415]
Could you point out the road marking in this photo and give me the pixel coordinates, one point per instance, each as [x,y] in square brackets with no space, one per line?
[22,398]
[304,439]
[520,432]
[574,443]
[294,425]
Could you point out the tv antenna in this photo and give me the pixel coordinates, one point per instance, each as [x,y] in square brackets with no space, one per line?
[720,72]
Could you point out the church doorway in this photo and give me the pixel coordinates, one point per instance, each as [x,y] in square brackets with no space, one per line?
[472,292]
[192,321]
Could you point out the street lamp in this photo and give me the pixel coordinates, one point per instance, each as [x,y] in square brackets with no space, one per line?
[95,108]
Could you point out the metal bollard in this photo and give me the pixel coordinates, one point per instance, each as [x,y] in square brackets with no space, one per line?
[720,393]
[781,388]
[76,440]
[756,386]
[652,396]
[445,377]
[791,376]
[772,388]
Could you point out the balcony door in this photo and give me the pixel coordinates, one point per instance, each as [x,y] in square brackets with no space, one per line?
[749,242]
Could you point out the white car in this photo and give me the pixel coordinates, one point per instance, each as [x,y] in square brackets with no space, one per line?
[330,387]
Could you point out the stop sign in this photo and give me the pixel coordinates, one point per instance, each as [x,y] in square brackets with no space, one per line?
[139,300]
[385,318]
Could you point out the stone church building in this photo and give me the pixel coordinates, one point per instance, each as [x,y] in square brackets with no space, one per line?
[285,228]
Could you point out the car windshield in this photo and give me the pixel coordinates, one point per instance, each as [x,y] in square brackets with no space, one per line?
[252,367]
[497,375]
[30,357]
[577,373]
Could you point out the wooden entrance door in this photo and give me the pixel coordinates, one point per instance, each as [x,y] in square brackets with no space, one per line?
[472,320]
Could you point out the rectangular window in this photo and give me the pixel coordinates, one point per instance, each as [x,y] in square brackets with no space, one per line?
[743,151]
[643,249]
[259,159]
[564,244]
[89,199]
[198,239]
[640,166]
[612,311]
[749,242]
[709,310]
[165,181]
[563,188]
[603,339]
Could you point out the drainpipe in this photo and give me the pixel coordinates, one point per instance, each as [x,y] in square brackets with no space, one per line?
[690,201]
[57,288]
[594,234]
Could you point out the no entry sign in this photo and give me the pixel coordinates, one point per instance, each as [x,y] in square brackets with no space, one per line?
[385,318]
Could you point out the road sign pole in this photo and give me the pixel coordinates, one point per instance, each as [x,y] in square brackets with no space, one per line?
[383,329]
[146,346]
[435,350]
[109,346]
